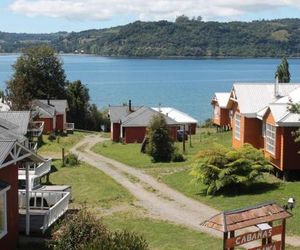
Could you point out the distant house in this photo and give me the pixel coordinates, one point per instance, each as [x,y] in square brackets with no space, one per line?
[129,124]
[181,118]
[53,113]
[221,114]
[260,117]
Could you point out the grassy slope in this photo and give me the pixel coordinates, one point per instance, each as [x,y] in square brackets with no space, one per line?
[90,186]
[163,235]
[55,147]
[130,153]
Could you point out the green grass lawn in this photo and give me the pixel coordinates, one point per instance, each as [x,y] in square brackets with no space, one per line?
[55,147]
[273,189]
[163,235]
[130,153]
[90,186]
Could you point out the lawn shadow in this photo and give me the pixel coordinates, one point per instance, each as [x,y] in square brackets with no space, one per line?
[256,188]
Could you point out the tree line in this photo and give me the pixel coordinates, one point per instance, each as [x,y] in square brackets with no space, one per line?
[39,74]
[184,37]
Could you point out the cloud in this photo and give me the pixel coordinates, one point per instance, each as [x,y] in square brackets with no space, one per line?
[145,9]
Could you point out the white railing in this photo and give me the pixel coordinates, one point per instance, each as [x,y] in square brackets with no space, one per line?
[36,128]
[69,126]
[56,211]
[54,203]
[33,146]
[36,169]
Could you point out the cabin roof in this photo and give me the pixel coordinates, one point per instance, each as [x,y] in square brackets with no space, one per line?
[42,109]
[142,118]
[118,113]
[222,98]
[60,105]
[16,121]
[176,115]
[241,218]
[5,148]
[252,98]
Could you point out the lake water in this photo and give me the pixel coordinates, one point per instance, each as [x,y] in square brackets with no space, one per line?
[184,84]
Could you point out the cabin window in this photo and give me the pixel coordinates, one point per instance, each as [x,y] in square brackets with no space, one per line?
[237,128]
[3,214]
[270,138]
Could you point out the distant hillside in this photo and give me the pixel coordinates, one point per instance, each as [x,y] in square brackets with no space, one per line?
[181,38]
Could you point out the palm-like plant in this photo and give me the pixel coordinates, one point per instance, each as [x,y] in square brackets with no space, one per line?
[222,168]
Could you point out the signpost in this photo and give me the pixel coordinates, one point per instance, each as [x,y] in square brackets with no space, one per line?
[261,216]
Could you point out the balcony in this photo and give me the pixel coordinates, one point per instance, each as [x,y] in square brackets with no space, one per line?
[35,129]
[35,168]
[69,127]
[45,208]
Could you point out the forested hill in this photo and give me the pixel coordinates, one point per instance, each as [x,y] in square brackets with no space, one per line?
[184,37]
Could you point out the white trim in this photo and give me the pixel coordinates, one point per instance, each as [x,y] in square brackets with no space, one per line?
[3,192]
[237,133]
[270,137]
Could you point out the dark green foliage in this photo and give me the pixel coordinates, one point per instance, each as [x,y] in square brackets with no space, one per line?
[78,99]
[222,168]
[38,74]
[160,146]
[208,123]
[185,37]
[72,160]
[177,157]
[84,231]
[283,72]
[51,137]
[295,108]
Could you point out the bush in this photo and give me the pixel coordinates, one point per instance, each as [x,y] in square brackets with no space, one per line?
[72,160]
[222,168]
[160,146]
[83,231]
[177,157]
[51,137]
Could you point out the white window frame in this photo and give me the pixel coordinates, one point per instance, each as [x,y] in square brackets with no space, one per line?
[270,138]
[3,192]
[264,129]
[237,126]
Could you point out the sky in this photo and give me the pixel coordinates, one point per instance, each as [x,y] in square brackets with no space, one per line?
[46,16]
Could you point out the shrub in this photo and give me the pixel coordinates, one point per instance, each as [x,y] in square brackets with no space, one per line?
[51,137]
[72,160]
[83,231]
[222,168]
[160,146]
[177,157]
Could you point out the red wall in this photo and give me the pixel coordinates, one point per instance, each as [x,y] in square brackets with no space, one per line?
[48,124]
[134,134]
[193,128]
[253,132]
[59,122]
[115,132]
[291,156]
[137,134]
[9,174]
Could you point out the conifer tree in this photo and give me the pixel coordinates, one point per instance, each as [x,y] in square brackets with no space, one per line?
[283,72]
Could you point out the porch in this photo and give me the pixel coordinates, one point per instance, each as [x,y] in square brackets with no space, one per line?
[38,169]
[45,208]
[35,129]
[69,127]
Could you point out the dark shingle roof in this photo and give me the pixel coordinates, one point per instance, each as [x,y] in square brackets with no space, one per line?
[117,113]
[142,118]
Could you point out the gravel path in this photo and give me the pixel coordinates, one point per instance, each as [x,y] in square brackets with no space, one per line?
[157,198]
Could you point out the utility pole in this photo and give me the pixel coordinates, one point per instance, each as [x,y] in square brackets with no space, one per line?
[183,140]
[190,133]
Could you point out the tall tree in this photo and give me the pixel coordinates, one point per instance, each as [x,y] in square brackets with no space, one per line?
[161,146]
[283,72]
[78,99]
[38,73]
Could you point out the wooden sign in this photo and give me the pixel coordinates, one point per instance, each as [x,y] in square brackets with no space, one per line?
[252,236]
[272,246]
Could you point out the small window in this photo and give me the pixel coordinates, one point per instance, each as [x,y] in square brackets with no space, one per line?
[270,138]
[3,214]
[263,131]
[237,127]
